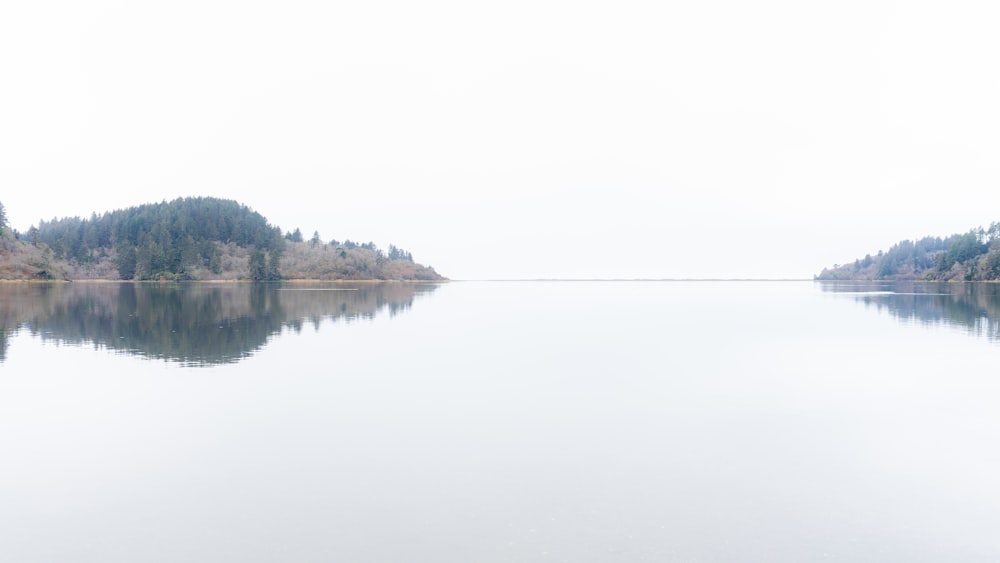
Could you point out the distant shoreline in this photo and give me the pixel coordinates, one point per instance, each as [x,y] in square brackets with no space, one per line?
[219,282]
[642,280]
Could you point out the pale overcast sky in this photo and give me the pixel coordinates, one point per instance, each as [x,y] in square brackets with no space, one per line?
[520,139]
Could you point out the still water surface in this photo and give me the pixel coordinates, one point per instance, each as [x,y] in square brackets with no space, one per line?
[500,422]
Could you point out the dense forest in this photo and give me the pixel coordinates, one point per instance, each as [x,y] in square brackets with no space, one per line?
[190,239]
[973,256]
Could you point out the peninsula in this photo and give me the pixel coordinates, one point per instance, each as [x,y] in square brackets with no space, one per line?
[973,256]
[200,238]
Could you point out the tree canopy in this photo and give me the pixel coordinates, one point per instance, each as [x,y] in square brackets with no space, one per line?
[159,239]
[194,238]
[974,255]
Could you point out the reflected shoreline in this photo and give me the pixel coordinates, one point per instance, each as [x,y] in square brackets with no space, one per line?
[190,323]
[974,307]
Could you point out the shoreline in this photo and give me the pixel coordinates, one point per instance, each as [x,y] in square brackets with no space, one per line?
[220,282]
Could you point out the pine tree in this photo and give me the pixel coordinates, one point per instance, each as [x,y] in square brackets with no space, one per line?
[258,266]
[126,261]
[274,265]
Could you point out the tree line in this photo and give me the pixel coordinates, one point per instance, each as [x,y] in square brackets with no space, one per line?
[193,238]
[972,256]
[162,239]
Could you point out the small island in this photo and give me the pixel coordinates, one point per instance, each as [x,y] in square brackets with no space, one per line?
[973,256]
[192,239]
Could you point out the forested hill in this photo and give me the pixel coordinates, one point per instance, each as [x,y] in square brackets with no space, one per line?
[192,239]
[973,256]
[160,238]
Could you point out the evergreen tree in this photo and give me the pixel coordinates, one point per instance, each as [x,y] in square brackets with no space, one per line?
[274,265]
[258,266]
[126,261]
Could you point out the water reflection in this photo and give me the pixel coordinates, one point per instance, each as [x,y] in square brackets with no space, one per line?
[197,324]
[972,306]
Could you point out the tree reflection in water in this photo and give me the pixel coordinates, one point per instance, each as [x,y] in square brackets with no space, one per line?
[195,324]
[972,306]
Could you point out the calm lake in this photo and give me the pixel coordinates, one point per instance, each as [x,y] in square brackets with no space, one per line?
[500,422]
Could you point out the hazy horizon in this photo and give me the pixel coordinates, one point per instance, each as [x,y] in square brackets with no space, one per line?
[529,140]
